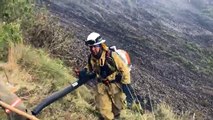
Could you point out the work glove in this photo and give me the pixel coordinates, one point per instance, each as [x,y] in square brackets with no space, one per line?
[84,75]
[80,73]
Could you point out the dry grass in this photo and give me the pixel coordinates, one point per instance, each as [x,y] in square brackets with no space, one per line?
[34,75]
[21,71]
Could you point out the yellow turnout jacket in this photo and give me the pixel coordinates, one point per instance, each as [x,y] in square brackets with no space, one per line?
[111,64]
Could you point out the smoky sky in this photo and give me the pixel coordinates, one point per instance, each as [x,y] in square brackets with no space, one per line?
[135,4]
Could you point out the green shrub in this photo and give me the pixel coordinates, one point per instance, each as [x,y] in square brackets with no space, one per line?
[43,67]
[193,47]
[9,33]
[208,11]
[12,10]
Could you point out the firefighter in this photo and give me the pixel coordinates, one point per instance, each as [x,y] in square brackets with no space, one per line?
[111,73]
[10,98]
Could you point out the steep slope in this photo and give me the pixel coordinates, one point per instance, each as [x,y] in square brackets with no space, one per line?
[170,42]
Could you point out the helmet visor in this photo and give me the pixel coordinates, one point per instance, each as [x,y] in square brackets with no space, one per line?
[89,42]
[98,40]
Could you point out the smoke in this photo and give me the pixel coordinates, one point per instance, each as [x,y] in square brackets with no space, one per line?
[131,4]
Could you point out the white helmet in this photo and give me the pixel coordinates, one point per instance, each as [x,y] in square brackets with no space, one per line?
[94,39]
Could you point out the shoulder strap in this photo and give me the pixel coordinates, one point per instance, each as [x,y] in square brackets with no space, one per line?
[108,53]
[89,61]
[109,59]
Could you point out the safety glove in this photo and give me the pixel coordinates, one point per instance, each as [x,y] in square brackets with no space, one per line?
[84,75]
[81,73]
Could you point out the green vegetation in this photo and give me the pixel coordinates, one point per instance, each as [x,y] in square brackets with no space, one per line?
[41,66]
[36,74]
[9,33]
[14,10]
[208,11]
[204,59]
[201,58]
[15,15]
[193,47]
[186,63]
[209,65]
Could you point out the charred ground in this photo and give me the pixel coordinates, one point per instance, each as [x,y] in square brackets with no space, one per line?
[170,43]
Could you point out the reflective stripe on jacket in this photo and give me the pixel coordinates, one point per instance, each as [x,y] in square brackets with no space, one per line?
[10,98]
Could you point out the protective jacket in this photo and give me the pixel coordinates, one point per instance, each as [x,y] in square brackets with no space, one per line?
[111,73]
[108,67]
[10,98]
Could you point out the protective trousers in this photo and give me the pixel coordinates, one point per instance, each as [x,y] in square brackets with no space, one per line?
[110,100]
[10,98]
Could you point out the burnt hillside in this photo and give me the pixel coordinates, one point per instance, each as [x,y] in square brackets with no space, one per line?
[170,43]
